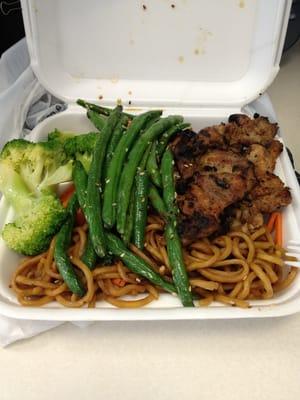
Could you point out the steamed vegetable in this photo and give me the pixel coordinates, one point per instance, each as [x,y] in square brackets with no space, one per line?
[116,164]
[136,264]
[93,209]
[76,147]
[179,273]
[62,243]
[134,158]
[41,165]
[37,216]
[80,178]
[105,111]
[140,208]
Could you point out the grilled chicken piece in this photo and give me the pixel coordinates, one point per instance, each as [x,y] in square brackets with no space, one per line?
[270,194]
[245,131]
[222,161]
[264,158]
[189,146]
[205,199]
[225,166]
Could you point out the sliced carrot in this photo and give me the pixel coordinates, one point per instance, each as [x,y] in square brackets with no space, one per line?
[80,218]
[66,195]
[278,230]
[119,282]
[271,222]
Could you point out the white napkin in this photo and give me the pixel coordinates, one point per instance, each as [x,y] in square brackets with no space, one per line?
[20,93]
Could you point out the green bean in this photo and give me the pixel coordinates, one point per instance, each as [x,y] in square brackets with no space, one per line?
[152,167]
[129,220]
[116,164]
[179,273]
[143,163]
[157,202]
[136,264]
[166,136]
[80,180]
[174,250]
[96,119]
[62,243]
[93,212]
[89,256]
[140,208]
[135,156]
[115,138]
[169,194]
[99,109]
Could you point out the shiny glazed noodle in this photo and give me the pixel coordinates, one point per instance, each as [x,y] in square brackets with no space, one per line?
[230,269]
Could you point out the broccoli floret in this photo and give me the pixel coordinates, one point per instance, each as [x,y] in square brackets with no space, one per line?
[42,165]
[60,136]
[37,218]
[14,151]
[78,147]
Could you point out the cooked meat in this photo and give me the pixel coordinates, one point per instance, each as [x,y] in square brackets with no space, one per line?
[270,194]
[212,136]
[207,196]
[275,149]
[188,146]
[197,226]
[225,166]
[264,158]
[245,131]
[185,152]
[250,215]
[222,161]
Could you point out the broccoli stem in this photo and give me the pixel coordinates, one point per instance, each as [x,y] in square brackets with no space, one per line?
[14,189]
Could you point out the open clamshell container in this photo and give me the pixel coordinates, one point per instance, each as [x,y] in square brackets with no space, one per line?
[202,59]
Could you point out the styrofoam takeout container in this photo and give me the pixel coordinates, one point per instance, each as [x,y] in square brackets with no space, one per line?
[202,59]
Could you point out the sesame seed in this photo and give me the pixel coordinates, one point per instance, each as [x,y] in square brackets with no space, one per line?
[107,180]
[122,255]
[142,173]
[126,150]
[190,288]
[138,280]
[114,204]
[162,269]
[174,294]
[173,162]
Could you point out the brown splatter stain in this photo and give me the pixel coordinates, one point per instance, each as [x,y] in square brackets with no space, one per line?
[144,7]
[242,4]
[100,97]
[129,102]
[196,51]
[181,59]
[172,5]
[129,92]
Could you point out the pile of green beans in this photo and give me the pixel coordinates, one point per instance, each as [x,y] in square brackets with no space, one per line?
[131,166]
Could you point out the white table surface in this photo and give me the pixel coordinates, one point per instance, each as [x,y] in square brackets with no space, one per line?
[226,360]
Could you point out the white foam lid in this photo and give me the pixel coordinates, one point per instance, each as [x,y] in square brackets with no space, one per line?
[178,53]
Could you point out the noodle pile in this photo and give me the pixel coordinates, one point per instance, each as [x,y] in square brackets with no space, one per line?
[232,269]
